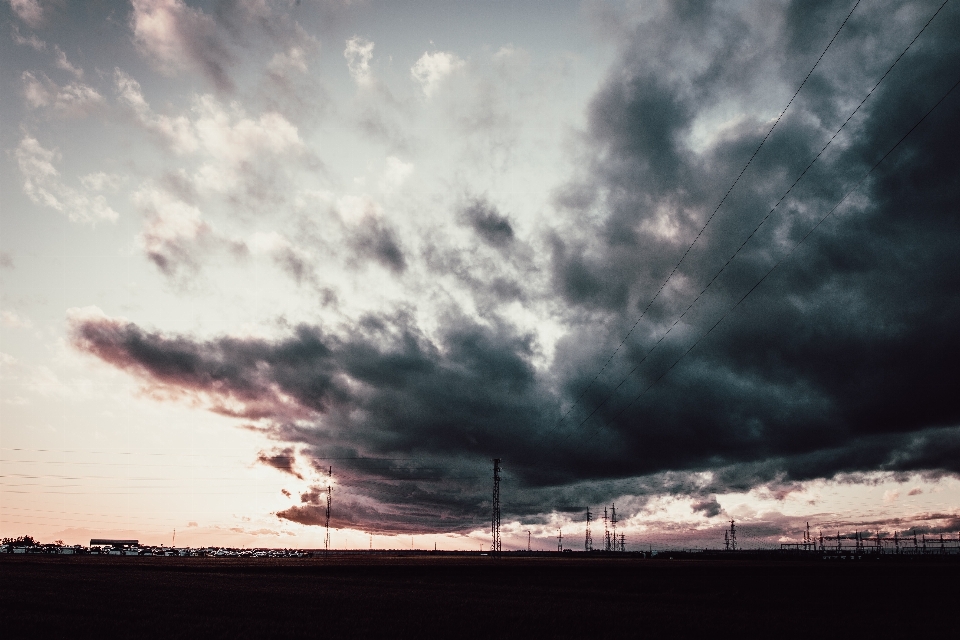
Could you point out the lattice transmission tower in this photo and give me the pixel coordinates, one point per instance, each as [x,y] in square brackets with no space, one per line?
[495,522]
[613,525]
[326,542]
[588,539]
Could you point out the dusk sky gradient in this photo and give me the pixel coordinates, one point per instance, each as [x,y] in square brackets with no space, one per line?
[242,241]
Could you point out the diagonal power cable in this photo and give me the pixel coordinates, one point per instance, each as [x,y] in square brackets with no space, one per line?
[705,224]
[785,256]
[761,223]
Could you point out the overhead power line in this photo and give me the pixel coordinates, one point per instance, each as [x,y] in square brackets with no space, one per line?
[762,221]
[709,219]
[789,253]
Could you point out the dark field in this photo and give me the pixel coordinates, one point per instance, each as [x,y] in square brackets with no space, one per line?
[108,597]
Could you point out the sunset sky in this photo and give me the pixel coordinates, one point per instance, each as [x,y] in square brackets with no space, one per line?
[243,241]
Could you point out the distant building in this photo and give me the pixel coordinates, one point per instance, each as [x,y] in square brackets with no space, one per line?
[116,544]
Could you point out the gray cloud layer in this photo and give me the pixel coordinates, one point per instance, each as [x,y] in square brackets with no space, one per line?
[842,361]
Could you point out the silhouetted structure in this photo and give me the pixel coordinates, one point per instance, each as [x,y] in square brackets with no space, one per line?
[495,548]
[613,526]
[588,539]
[606,531]
[326,541]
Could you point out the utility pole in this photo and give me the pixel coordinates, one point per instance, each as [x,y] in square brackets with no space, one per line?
[495,523]
[326,542]
[623,543]
[726,540]
[588,539]
[733,536]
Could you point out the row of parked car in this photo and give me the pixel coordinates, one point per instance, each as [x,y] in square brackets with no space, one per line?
[209,552]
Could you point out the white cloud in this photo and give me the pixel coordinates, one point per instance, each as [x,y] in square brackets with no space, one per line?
[234,142]
[170,230]
[174,37]
[77,315]
[74,100]
[41,183]
[101,181]
[30,11]
[33,41]
[431,69]
[174,132]
[355,209]
[14,320]
[396,172]
[358,54]
[294,58]
[156,30]
[63,63]
[227,135]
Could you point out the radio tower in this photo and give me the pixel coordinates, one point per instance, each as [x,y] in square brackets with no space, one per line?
[326,542]
[495,523]
[733,536]
[559,539]
[588,540]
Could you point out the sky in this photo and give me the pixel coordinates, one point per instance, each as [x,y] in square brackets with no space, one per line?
[696,260]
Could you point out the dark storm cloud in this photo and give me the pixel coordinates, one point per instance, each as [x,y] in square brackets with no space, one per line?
[493,227]
[709,507]
[410,423]
[840,364]
[280,459]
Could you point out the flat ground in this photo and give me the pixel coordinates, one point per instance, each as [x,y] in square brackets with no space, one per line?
[423,597]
